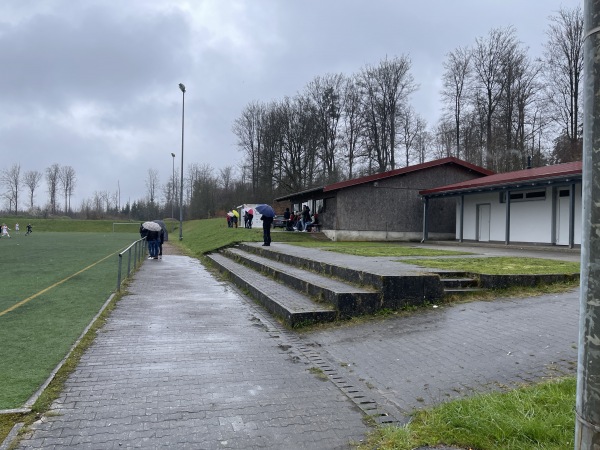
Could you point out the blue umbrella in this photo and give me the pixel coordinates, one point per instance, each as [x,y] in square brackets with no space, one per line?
[265,210]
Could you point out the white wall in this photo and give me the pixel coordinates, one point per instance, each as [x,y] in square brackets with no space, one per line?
[530,221]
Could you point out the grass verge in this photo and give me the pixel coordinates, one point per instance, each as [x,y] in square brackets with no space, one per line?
[397,249]
[205,236]
[56,386]
[500,265]
[534,417]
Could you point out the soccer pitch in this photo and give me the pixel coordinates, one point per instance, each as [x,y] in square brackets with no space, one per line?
[53,284]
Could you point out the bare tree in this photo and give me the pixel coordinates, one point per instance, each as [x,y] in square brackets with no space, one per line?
[563,70]
[490,57]
[152,185]
[410,127]
[520,108]
[249,128]
[11,178]
[294,157]
[423,142]
[226,177]
[351,122]
[66,180]
[203,203]
[385,90]
[457,69]
[52,174]
[32,180]
[326,96]
[97,201]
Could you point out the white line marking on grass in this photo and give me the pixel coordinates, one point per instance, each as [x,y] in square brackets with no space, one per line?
[43,291]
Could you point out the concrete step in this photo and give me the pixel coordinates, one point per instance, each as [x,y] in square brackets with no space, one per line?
[294,308]
[465,290]
[347,299]
[457,283]
[396,290]
[453,283]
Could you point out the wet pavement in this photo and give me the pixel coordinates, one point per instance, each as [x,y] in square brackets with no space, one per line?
[186,361]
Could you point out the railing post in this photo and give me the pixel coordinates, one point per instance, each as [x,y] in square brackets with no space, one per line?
[119,274]
[128,261]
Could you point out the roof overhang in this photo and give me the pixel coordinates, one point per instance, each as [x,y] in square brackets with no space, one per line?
[301,196]
[509,186]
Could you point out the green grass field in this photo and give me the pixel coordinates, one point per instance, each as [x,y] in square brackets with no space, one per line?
[53,285]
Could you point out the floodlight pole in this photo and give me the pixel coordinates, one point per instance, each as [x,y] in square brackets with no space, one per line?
[182,87]
[173,189]
[587,408]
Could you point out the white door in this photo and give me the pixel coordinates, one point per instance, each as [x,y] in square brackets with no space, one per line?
[483,219]
[562,217]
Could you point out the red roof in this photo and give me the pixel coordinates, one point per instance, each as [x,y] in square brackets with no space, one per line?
[512,178]
[405,170]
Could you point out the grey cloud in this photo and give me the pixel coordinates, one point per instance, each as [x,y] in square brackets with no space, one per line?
[99,58]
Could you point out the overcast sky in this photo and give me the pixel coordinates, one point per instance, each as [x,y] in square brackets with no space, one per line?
[94,83]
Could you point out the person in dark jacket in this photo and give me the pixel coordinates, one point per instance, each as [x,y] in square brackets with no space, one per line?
[267,221]
[153,238]
[161,241]
[306,222]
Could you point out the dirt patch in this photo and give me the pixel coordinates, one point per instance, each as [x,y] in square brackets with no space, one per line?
[171,249]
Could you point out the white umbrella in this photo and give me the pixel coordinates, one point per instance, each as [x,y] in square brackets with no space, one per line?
[152,226]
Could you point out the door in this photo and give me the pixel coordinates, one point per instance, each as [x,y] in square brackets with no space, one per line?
[562,217]
[483,222]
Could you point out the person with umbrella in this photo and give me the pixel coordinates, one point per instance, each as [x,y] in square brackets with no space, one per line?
[268,213]
[249,218]
[152,232]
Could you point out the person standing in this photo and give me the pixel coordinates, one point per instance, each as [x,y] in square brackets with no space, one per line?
[306,218]
[286,218]
[153,238]
[161,241]
[17,227]
[267,221]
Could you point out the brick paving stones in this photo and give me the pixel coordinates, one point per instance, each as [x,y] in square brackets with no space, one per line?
[448,352]
[186,361]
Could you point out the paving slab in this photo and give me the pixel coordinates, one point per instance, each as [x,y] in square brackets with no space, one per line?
[185,362]
[454,351]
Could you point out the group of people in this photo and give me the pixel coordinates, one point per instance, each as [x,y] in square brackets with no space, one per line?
[4,230]
[232,220]
[233,215]
[155,241]
[301,220]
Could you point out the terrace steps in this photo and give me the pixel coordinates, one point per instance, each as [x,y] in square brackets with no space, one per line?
[302,290]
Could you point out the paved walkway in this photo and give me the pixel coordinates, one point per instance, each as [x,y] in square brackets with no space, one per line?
[185,361]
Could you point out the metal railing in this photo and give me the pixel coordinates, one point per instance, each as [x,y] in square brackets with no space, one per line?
[138,248]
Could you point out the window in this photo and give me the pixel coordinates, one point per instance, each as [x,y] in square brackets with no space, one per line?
[564,193]
[524,196]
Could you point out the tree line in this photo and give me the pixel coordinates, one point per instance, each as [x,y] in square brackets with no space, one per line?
[501,109]
[60,183]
